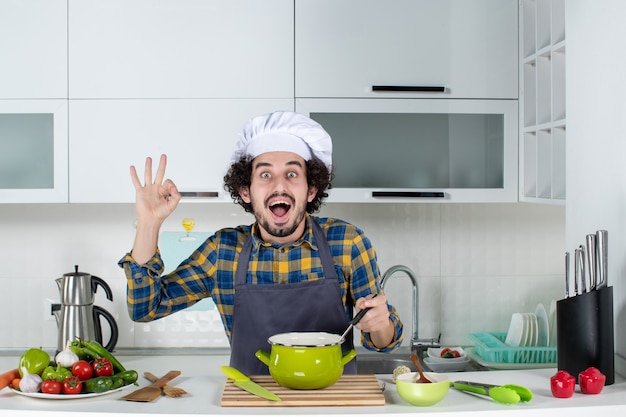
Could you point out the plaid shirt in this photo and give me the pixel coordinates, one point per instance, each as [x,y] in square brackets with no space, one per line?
[210,272]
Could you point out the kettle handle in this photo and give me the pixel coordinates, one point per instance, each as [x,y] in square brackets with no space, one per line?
[95,281]
[100,312]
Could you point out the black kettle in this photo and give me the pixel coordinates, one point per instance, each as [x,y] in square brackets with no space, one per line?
[76,316]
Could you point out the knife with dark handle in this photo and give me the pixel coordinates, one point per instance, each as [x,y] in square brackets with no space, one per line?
[602,250]
[590,258]
[567,277]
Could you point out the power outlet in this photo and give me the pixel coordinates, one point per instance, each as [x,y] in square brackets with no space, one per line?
[48,312]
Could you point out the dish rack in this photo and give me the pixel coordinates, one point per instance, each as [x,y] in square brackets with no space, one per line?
[491,347]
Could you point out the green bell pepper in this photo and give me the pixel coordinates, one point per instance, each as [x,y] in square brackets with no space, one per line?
[33,361]
[58,374]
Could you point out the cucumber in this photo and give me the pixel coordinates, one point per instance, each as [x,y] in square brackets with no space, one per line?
[118,382]
[129,376]
[97,385]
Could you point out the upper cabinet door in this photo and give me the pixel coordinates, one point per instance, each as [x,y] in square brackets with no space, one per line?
[181,48]
[468,47]
[33,160]
[198,136]
[33,49]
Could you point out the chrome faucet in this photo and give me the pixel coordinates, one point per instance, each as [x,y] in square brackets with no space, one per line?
[416,343]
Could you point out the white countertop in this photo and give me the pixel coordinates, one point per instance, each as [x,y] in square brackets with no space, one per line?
[202,379]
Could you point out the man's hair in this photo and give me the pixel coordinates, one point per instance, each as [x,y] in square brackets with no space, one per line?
[240,172]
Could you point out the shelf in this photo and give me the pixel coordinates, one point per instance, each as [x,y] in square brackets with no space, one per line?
[543,107]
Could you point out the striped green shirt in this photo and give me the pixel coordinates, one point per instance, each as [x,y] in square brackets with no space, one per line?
[210,272]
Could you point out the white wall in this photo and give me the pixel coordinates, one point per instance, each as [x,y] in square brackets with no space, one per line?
[596,145]
[476,263]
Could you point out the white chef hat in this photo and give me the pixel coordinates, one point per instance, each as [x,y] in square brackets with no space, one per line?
[284,131]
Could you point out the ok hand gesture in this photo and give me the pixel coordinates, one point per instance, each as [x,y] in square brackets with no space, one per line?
[155,200]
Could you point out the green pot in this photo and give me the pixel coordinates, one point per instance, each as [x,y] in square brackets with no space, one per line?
[307,360]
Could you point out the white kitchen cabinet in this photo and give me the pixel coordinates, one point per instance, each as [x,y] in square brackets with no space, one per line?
[420,150]
[108,136]
[345,48]
[181,48]
[542,101]
[33,47]
[33,160]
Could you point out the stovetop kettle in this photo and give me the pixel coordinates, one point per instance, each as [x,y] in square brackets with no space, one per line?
[76,315]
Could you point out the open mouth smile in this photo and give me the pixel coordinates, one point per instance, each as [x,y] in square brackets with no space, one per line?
[280,208]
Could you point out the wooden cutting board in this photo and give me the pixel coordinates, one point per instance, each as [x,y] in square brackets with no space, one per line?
[349,390]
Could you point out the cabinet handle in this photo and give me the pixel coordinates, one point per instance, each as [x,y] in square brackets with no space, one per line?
[410,88]
[412,194]
[199,194]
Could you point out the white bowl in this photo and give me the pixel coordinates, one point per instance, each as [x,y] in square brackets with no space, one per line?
[435,353]
[447,365]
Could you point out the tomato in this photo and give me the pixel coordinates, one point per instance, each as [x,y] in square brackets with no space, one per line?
[82,369]
[562,384]
[449,353]
[591,381]
[72,385]
[102,367]
[51,386]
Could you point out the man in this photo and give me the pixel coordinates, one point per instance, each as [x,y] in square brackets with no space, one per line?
[289,271]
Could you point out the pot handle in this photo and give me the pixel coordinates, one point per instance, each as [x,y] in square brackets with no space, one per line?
[108,317]
[263,356]
[347,357]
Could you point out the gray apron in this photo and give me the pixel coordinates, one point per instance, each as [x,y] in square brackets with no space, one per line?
[261,311]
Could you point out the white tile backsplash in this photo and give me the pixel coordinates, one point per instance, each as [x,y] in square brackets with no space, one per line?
[476,264]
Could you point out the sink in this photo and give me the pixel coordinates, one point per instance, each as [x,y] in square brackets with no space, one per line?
[383,363]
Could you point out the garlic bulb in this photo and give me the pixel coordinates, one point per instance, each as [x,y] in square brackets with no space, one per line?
[30,382]
[66,358]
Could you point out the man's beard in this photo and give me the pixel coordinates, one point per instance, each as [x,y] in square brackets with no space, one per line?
[280,231]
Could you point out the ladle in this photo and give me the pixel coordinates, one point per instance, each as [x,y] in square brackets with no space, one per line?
[422,378]
[354,321]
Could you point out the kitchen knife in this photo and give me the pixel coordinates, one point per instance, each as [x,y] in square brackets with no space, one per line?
[567,277]
[245,383]
[590,258]
[577,271]
[602,247]
[581,264]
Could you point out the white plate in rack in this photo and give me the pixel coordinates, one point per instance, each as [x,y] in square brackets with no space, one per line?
[515,335]
[543,326]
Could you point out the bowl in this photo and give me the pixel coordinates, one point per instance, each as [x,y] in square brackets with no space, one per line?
[435,354]
[447,365]
[422,394]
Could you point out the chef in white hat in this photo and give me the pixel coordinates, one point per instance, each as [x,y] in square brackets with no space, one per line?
[288,271]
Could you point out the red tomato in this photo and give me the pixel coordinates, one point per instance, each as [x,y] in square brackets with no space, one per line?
[591,381]
[72,385]
[51,386]
[82,369]
[102,367]
[449,353]
[562,384]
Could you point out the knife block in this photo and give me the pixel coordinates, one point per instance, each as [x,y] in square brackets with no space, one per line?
[585,333]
